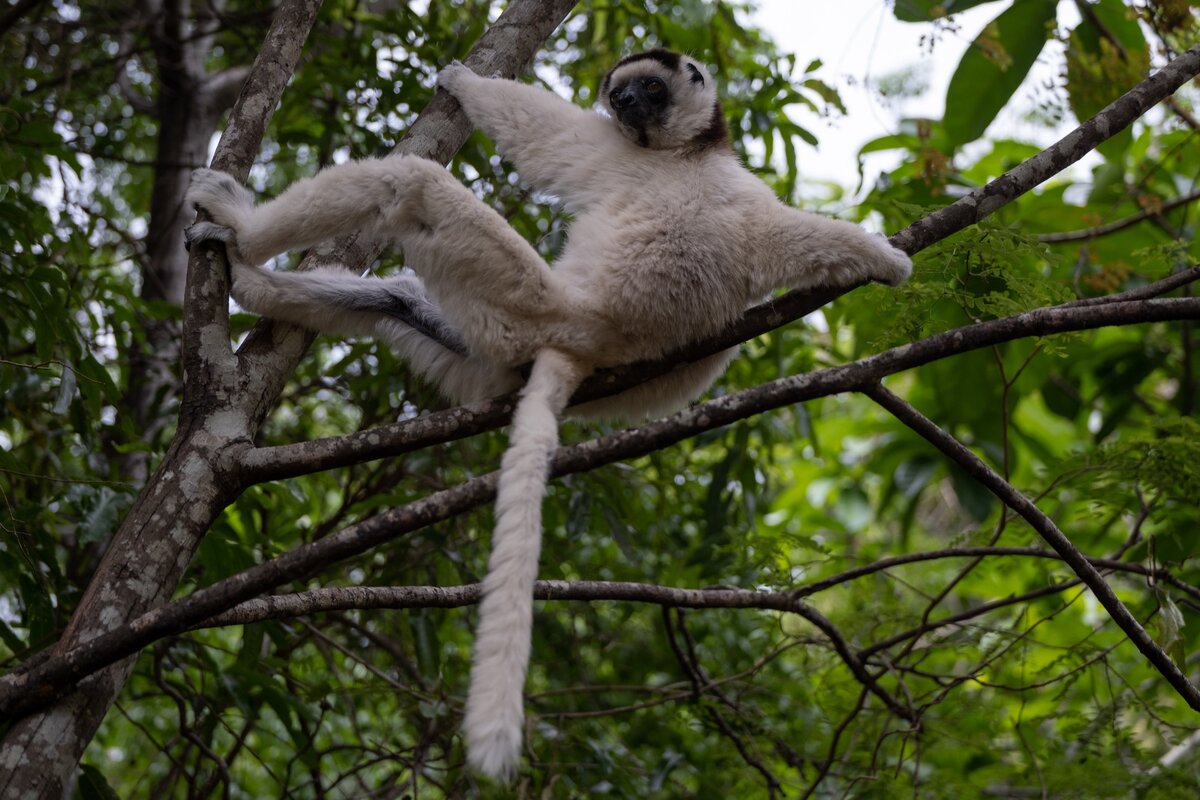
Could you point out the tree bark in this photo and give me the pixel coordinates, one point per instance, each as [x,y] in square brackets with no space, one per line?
[187,108]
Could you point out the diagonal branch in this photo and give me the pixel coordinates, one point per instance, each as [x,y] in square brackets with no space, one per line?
[1110,121]
[286,461]
[207,288]
[1021,504]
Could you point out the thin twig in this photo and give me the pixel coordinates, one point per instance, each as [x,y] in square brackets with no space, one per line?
[691,668]
[1119,225]
[1004,491]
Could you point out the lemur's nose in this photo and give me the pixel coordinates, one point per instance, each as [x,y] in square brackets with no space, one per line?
[625,98]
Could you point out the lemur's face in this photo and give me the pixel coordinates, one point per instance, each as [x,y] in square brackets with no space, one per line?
[662,100]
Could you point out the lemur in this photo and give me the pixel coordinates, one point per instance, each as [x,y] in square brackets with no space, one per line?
[672,240]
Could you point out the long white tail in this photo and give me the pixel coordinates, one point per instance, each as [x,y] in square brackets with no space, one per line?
[495,702]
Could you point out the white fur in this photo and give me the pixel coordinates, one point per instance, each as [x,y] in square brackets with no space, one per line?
[671,242]
[502,640]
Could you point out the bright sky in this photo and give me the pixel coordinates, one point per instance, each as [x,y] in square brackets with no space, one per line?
[860,41]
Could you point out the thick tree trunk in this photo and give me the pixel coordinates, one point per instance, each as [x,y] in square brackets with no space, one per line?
[187,108]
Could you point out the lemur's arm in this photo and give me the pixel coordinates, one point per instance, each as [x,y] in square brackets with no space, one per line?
[556,146]
[809,250]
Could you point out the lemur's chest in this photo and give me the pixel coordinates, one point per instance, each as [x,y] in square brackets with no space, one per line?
[654,232]
[660,270]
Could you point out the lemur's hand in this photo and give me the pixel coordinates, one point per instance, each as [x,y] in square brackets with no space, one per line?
[453,76]
[894,266]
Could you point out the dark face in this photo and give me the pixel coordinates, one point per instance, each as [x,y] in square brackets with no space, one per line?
[641,104]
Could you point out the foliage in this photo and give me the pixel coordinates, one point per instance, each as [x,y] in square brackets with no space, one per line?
[1037,693]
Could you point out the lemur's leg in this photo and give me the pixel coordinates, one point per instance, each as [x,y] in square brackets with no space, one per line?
[331,300]
[490,283]
[395,310]
[812,250]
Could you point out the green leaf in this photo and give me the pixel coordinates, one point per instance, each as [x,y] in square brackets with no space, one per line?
[10,639]
[926,10]
[1106,55]
[251,651]
[853,509]
[93,786]
[1062,397]
[1121,23]
[972,495]
[994,66]
[221,554]
[426,643]
[914,474]
[39,610]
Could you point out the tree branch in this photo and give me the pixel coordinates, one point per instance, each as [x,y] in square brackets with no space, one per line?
[266,464]
[35,686]
[1119,225]
[1111,120]
[206,297]
[347,598]
[1156,289]
[1019,503]
[272,463]
[288,461]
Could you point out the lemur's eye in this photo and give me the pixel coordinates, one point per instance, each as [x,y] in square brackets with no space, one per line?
[613,97]
[654,87]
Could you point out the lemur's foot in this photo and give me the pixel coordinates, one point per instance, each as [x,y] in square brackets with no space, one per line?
[208,232]
[226,200]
